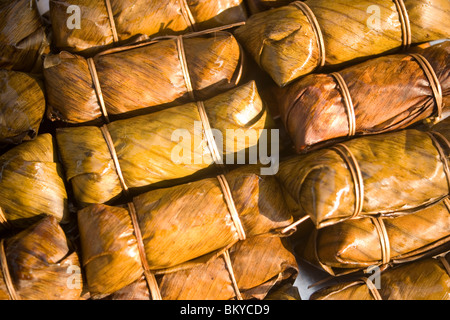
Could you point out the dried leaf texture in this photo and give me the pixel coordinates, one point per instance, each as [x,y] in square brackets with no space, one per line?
[387,93]
[32,183]
[39,263]
[131,18]
[285,44]
[23,38]
[270,256]
[256,6]
[181,226]
[166,147]
[426,279]
[400,171]
[358,244]
[140,77]
[22,107]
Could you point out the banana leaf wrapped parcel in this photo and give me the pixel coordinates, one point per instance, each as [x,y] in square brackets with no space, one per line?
[169,229]
[23,37]
[32,184]
[357,244]
[425,279]
[386,174]
[294,40]
[163,148]
[38,264]
[22,107]
[84,26]
[141,76]
[382,94]
[250,269]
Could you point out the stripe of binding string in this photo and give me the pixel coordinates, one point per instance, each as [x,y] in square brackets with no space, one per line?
[6,275]
[445,263]
[319,35]
[115,158]
[187,15]
[434,83]
[227,259]
[384,239]
[184,67]
[373,290]
[404,23]
[436,137]
[149,276]
[356,174]
[111,20]
[348,103]
[98,89]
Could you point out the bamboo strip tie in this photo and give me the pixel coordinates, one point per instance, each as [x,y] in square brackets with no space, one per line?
[187,15]
[384,239]
[97,87]
[5,271]
[111,20]
[348,103]
[356,174]
[404,23]
[434,83]
[435,136]
[115,158]
[149,276]
[3,220]
[229,266]
[184,67]
[316,26]
[373,290]
[445,264]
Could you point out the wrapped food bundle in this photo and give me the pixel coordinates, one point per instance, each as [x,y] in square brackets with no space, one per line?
[386,174]
[31,184]
[139,77]
[97,24]
[248,270]
[297,39]
[23,38]
[256,6]
[163,148]
[37,264]
[169,229]
[22,107]
[426,279]
[361,243]
[383,94]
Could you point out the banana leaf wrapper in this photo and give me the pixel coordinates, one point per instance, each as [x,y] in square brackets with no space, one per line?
[150,153]
[400,172]
[32,184]
[140,77]
[23,37]
[387,93]
[40,264]
[285,292]
[360,243]
[132,18]
[286,43]
[255,6]
[258,265]
[180,226]
[426,279]
[22,107]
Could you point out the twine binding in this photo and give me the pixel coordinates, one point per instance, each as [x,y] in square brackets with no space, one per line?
[112,151]
[316,26]
[384,239]
[6,275]
[404,23]
[435,137]
[229,266]
[373,290]
[97,87]
[348,103]
[356,174]
[149,276]
[434,84]
[111,20]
